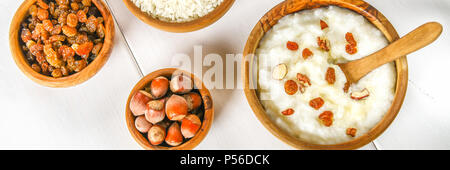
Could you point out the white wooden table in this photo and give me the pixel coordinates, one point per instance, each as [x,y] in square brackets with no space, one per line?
[91,115]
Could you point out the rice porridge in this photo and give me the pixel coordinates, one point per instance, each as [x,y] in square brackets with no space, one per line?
[303,90]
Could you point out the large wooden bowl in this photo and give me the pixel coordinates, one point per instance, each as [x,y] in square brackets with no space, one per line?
[292,6]
[207,117]
[190,26]
[67,81]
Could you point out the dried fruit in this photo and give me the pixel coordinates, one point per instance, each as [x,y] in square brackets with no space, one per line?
[303,79]
[316,103]
[360,95]
[142,125]
[292,45]
[56,73]
[42,4]
[72,20]
[84,49]
[138,103]
[323,43]
[174,136]
[69,31]
[190,125]
[350,49]
[80,65]
[351,132]
[52,56]
[330,76]
[36,68]
[48,25]
[323,25]
[92,23]
[176,108]
[279,72]
[25,35]
[307,53]
[81,15]
[156,134]
[288,112]
[42,14]
[290,87]
[159,86]
[326,118]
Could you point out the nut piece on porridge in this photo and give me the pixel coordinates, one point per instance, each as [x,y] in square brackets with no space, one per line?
[292,45]
[290,87]
[351,48]
[346,87]
[288,112]
[316,103]
[360,95]
[351,132]
[279,72]
[326,118]
[307,53]
[330,76]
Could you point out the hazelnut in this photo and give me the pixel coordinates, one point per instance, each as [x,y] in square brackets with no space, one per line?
[138,103]
[156,135]
[176,108]
[174,136]
[159,87]
[181,84]
[142,125]
[154,116]
[194,100]
[190,125]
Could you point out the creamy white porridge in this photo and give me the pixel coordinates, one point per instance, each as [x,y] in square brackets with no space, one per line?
[281,59]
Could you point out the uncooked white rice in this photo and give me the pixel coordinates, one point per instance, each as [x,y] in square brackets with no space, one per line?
[177,10]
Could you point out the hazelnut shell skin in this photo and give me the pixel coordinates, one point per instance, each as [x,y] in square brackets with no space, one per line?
[142,125]
[176,108]
[190,125]
[174,136]
[181,84]
[159,87]
[194,100]
[138,103]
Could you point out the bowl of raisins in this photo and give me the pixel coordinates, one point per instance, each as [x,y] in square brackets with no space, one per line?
[61,43]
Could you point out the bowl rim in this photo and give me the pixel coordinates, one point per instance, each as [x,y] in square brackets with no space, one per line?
[181,27]
[208,105]
[293,6]
[66,81]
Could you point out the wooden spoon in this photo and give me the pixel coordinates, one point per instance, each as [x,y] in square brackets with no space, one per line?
[413,41]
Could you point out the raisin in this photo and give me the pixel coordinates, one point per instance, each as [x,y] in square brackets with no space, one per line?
[66,52]
[81,16]
[69,31]
[48,25]
[25,35]
[42,4]
[62,2]
[101,31]
[86,2]
[72,20]
[55,38]
[323,25]
[290,87]
[288,112]
[326,118]
[80,65]
[97,48]
[292,45]
[56,30]
[92,24]
[42,14]
[52,56]
[33,10]
[316,103]
[330,75]
[323,44]
[307,53]
[84,49]
[36,68]
[44,67]
[351,132]
[74,6]
[57,73]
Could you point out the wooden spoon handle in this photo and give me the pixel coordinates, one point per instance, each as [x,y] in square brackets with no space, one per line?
[413,41]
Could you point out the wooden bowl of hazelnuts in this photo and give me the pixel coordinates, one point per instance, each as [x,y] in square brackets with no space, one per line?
[169,109]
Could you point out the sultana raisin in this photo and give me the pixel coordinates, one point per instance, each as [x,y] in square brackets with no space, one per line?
[55,38]
[62,2]
[36,68]
[330,75]
[56,30]
[42,14]
[72,20]
[316,103]
[86,2]
[307,53]
[52,56]
[69,31]
[97,48]
[84,49]
[57,73]
[290,87]
[81,16]
[33,10]
[25,35]
[292,45]
[48,25]
[42,4]
[101,31]
[326,118]
[92,24]
[66,52]
[80,65]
